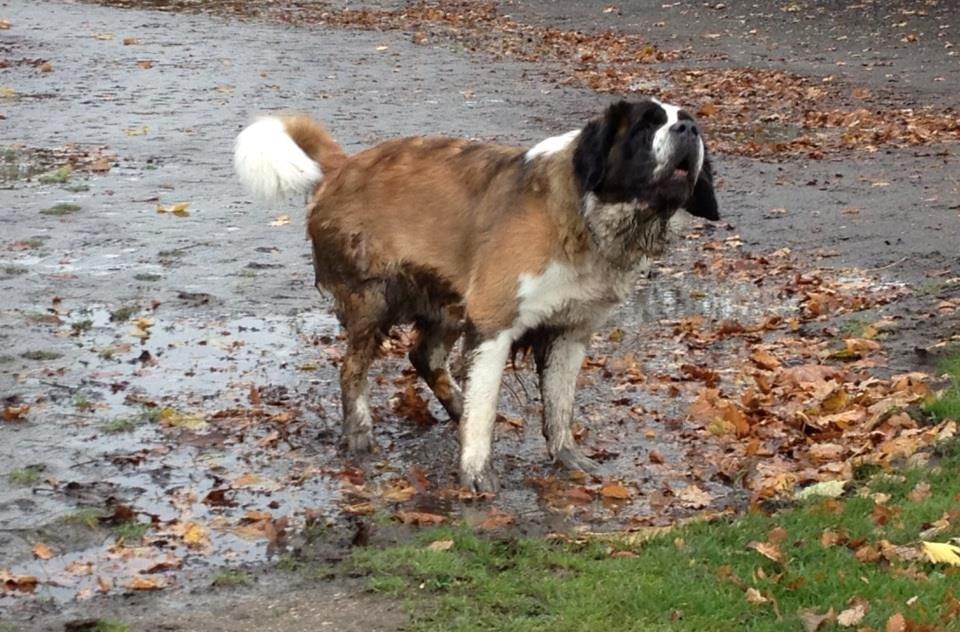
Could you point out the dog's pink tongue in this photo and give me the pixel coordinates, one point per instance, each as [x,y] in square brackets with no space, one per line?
[680,173]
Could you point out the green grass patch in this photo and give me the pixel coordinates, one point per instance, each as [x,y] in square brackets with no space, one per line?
[64,208]
[7,359]
[88,517]
[83,404]
[131,531]
[121,424]
[172,254]
[149,278]
[60,175]
[696,577]
[107,625]
[41,355]
[81,326]
[947,404]
[231,577]
[77,187]
[25,475]
[9,272]
[123,314]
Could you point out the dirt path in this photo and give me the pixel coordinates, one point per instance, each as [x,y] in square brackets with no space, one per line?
[180,369]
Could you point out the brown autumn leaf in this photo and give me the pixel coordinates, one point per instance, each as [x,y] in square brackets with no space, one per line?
[145,64]
[854,614]
[147,583]
[896,623]
[867,553]
[15,413]
[831,538]
[42,551]
[768,550]
[755,597]
[615,491]
[130,41]
[495,519]
[765,360]
[812,621]
[22,583]
[4,25]
[694,497]
[440,545]
[419,518]
[104,584]
[920,492]
[622,554]
[706,110]
[195,535]
[45,67]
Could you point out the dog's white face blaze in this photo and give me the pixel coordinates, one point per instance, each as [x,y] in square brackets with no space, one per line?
[551,145]
[480,402]
[663,141]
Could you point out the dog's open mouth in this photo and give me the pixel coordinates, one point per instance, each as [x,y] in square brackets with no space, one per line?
[682,170]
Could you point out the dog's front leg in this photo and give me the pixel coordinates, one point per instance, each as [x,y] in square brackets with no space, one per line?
[480,410]
[558,364]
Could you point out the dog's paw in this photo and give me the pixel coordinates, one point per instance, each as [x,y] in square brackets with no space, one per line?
[574,459]
[359,442]
[481,481]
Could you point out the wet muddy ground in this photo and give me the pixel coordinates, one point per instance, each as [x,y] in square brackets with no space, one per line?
[169,378]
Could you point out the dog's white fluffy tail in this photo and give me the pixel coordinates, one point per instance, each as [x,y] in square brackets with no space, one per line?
[279,155]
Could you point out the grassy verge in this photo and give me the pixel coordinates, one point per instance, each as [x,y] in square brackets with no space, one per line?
[856,559]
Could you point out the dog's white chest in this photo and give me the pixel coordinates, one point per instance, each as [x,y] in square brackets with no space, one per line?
[564,295]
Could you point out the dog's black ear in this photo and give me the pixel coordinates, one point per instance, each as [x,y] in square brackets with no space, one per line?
[594,144]
[703,201]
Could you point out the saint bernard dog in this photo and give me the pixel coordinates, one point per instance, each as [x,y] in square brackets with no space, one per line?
[504,246]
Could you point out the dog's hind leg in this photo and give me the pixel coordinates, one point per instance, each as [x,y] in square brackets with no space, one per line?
[429,357]
[362,314]
[558,364]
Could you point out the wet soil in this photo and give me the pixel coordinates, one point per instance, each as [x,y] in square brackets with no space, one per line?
[182,368]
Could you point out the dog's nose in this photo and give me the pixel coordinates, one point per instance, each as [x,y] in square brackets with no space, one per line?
[685,128]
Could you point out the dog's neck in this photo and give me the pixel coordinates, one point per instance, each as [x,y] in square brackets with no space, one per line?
[624,234]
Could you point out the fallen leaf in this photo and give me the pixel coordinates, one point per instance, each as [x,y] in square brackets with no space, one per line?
[104,37]
[4,25]
[195,536]
[896,623]
[942,552]
[145,64]
[147,583]
[755,597]
[42,551]
[827,489]
[136,131]
[615,491]
[103,584]
[765,360]
[812,621]
[768,550]
[45,67]
[130,41]
[854,615]
[15,413]
[419,517]
[495,519]
[179,209]
[694,497]
[920,492]
[282,220]
[440,545]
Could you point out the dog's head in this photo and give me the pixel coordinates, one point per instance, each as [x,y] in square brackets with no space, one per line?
[650,152]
